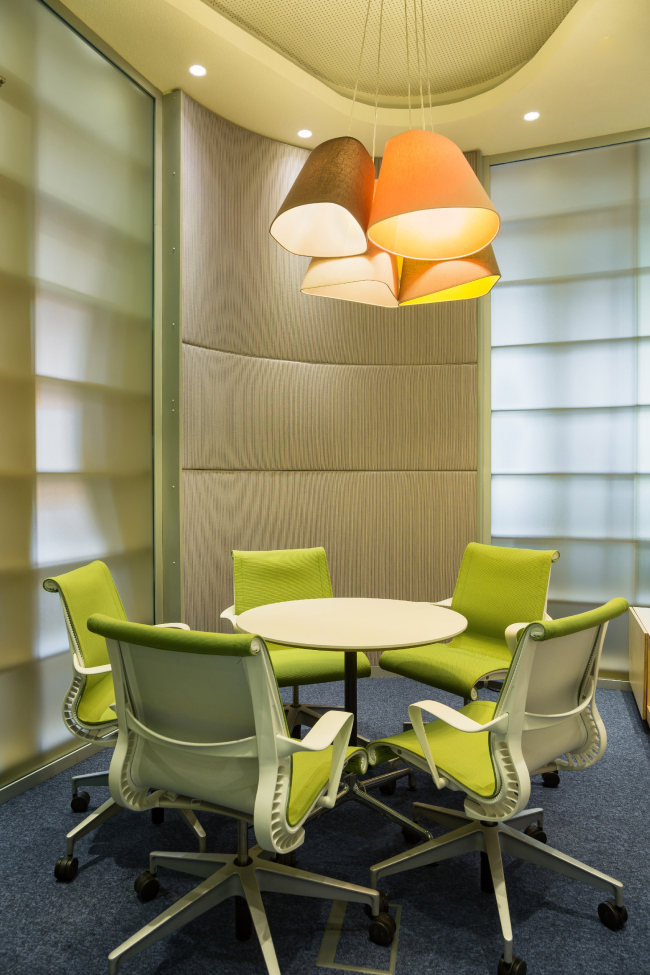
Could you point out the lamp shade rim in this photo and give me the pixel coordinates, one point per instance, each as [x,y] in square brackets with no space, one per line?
[354,237]
[316,292]
[477,288]
[442,255]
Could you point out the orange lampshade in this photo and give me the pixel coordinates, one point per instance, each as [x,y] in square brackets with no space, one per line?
[370,278]
[326,211]
[429,204]
[466,277]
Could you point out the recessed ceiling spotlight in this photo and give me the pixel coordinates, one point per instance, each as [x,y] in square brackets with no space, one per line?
[531,116]
[198,70]
[304,133]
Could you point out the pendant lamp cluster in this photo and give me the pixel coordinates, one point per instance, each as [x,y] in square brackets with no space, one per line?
[419,233]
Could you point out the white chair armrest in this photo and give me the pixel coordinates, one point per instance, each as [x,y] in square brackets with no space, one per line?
[104,669]
[333,728]
[229,614]
[453,718]
[174,626]
[457,720]
[511,635]
[546,616]
[444,602]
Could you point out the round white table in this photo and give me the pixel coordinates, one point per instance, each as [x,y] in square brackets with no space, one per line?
[352,625]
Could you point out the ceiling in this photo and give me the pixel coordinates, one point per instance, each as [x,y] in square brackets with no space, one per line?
[588,78]
[455,47]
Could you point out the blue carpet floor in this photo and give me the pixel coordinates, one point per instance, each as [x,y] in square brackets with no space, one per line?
[448,926]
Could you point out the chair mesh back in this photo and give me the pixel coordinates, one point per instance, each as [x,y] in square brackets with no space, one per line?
[498,586]
[85,591]
[197,698]
[278,576]
[556,680]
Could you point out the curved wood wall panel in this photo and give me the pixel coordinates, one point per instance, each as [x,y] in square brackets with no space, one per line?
[241,290]
[310,421]
[242,413]
[389,534]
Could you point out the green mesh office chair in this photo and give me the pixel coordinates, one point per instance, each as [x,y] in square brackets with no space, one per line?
[200,723]
[495,587]
[545,718]
[275,577]
[88,706]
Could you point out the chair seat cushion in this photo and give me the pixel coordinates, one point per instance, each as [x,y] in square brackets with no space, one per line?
[94,706]
[465,757]
[310,772]
[297,666]
[453,667]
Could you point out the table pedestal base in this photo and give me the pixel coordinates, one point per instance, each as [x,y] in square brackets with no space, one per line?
[354,790]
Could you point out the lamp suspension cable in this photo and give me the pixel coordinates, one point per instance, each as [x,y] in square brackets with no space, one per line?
[374,131]
[417,46]
[356,83]
[408,59]
[426,60]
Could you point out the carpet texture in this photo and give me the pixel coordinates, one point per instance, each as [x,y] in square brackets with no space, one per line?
[448,926]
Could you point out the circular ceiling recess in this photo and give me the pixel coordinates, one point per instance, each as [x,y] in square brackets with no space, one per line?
[470,47]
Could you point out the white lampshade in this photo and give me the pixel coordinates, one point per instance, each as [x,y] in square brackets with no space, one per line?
[369,278]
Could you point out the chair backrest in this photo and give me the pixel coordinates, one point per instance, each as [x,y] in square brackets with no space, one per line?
[549,697]
[198,716]
[278,576]
[497,586]
[84,591]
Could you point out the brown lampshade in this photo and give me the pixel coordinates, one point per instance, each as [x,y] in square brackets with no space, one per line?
[370,278]
[429,204]
[466,277]
[326,211]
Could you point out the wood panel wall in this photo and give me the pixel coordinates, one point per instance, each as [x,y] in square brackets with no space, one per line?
[309,421]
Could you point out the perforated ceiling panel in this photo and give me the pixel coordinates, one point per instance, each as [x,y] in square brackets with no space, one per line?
[470,44]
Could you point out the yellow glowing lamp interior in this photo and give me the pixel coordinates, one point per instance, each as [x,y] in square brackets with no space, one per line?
[472,289]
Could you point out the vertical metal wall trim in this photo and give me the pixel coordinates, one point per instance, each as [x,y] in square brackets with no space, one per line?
[158,533]
[169,443]
[484,419]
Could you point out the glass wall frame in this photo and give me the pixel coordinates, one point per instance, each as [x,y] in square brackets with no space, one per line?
[52,380]
[568,467]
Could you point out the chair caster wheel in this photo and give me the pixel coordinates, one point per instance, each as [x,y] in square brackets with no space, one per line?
[288,859]
[383,906]
[243,920]
[382,930]
[388,788]
[613,917]
[65,869]
[536,833]
[516,967]
[412,786]
[550,780]
[80,802]
[146,887]
[157,816]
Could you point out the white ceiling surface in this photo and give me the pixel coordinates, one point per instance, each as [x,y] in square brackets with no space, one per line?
[465,45]
[589,78]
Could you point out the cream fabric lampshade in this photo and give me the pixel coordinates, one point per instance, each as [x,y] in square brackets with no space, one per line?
[429,204]
[369,278]
[466,277]
[326,211]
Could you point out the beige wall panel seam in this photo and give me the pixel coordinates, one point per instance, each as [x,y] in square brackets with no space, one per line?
[389,535]
[243,413]
[315,362]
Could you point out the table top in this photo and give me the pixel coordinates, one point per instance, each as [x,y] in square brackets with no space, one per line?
[352,624]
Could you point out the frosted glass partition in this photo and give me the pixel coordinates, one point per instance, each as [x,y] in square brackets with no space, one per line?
[571,373]
[76,251]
